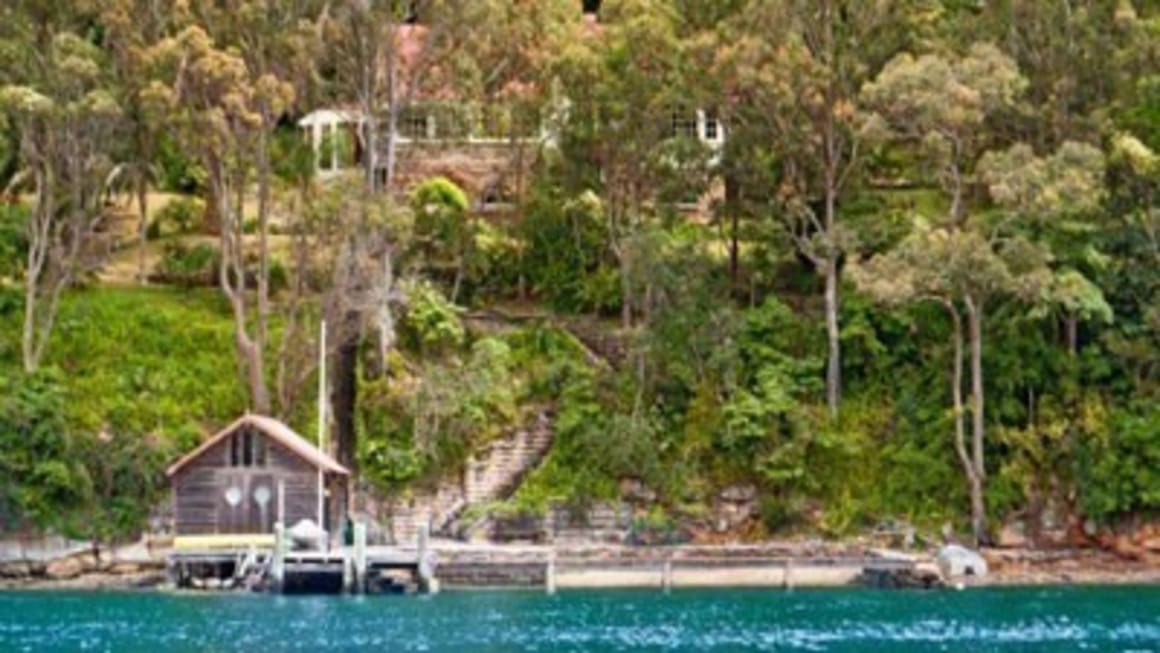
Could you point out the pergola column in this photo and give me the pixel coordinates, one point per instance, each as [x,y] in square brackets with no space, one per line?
[316,144]
[334,146]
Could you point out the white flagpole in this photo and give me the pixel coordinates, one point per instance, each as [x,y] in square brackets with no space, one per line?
[321,421]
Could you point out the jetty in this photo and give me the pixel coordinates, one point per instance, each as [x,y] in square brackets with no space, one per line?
[274,564]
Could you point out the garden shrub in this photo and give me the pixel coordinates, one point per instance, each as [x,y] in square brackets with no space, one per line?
[182,215]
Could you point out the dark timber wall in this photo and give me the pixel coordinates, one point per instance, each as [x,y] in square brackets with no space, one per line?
[200,504]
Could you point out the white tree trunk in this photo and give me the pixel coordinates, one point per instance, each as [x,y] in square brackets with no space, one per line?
[978,414]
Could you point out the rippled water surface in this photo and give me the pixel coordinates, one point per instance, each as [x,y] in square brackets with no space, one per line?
[1054,619]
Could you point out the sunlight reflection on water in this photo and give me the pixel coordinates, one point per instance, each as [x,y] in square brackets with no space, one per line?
[1079,619]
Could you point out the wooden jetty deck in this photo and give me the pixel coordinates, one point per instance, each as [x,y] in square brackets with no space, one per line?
[243,563]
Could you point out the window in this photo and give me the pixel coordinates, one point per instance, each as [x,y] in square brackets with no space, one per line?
[415,124]
[712,127]
[235,451]
[682,124]
[247,449]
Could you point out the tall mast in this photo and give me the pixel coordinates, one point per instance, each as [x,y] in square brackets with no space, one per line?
[322,422]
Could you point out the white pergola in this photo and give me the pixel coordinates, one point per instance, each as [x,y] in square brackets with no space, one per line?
[327,122]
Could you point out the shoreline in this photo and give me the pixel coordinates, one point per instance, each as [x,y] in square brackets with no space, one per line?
[759,566]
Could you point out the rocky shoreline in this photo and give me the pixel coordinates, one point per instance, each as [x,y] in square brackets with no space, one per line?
[1013,567]
[468,566]
[82,572]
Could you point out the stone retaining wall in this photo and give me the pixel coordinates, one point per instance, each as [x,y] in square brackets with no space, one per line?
[492,574]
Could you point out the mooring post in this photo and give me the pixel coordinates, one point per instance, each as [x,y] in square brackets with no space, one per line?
[788,579]
[550,573]
[425,566]
[360,557]
[348,572]
[667,575]
[278,565]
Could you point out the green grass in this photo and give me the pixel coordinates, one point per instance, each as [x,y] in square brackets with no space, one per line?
[140,361]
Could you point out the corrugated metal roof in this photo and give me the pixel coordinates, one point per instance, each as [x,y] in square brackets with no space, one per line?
[274,429]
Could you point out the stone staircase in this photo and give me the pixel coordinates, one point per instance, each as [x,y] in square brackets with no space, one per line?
[498,471]
[491,475]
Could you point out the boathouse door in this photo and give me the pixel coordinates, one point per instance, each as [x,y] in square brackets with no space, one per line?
[247,503]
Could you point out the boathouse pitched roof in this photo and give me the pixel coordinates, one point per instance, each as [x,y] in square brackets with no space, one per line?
[276,431]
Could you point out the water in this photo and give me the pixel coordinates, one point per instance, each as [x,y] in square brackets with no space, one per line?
[1051,619]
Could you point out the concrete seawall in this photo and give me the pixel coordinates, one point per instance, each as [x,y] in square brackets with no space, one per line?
[651,567]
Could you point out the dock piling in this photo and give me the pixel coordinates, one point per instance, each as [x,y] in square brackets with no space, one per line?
[550,574]
[360,557]
[278,563]
[425,569]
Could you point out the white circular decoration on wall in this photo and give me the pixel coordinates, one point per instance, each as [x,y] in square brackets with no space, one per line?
[262,495]
[234,495]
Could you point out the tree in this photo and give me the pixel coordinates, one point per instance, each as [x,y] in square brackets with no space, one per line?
[131,27]
[988,254]
[68,121]
[624,133]
[222,112]
[796,68]
[366,235]
[1049,196]
[443,228]
[959,269]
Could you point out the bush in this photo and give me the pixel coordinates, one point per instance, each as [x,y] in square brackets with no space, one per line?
[179,173]
[153,230]
[1120,467]
[131,379]
[431,323]
[180,216]
[39,472]
[567,259]
[188,267]
[12,240]
[279,278]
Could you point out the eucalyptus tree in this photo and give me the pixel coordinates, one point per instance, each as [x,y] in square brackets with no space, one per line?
[1048,195]
[211,98]
[628,131]
[131,27]
[980,253]
[56,96]
[795,68]
[280,45]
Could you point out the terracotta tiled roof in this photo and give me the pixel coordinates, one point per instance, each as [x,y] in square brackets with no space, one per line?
[277,431]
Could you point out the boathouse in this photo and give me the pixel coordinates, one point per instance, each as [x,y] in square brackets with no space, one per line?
[251,475]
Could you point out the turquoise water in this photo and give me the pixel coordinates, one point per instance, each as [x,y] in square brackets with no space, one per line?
[1052,619]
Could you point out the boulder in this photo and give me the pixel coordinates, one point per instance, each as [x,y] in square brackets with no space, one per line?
[1148,537]
[635,491]
[125,568]
[1012,536]
[1125,547]
[65,568]
[19,569]
[956,561]
[735,506]
[739,494]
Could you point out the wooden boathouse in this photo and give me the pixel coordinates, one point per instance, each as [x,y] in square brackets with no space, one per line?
[252,474]
[243,498]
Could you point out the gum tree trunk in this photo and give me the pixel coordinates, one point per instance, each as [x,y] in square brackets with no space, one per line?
[978,414]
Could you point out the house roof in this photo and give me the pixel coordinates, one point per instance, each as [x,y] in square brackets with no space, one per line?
[329,117]
[273,429]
